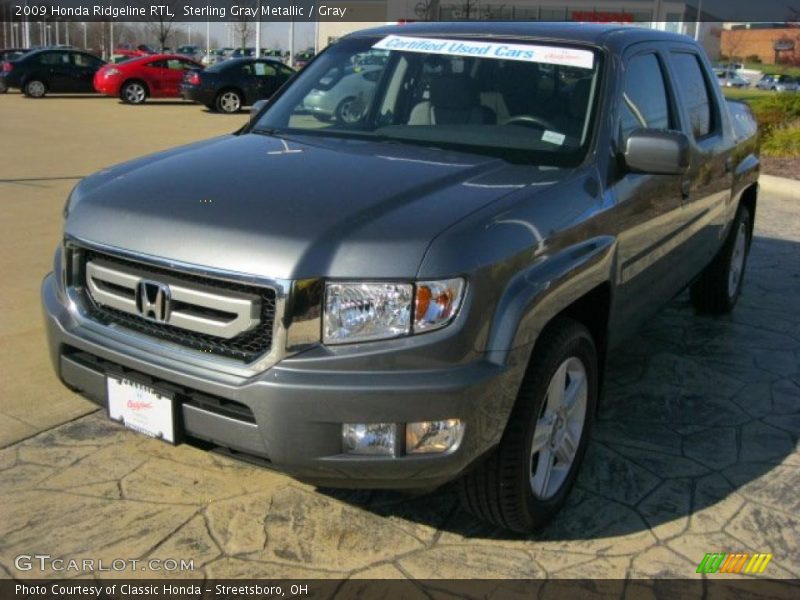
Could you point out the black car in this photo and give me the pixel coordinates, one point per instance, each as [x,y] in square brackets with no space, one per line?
[51,70]
[229,85]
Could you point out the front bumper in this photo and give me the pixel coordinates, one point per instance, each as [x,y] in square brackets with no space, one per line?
[297,407]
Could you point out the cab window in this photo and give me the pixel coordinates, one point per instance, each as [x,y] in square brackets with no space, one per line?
[644,98]
[264,70]
[54,58]
[694,92]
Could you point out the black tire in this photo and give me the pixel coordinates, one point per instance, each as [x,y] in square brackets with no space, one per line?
[500,490]
[229,101]
[133,92]
[35,88]
[714,292]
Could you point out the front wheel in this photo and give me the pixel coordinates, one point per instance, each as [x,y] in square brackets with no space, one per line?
[229,102]
[717,289]
[349,111]
[35,88]
[525,481]
[133,92]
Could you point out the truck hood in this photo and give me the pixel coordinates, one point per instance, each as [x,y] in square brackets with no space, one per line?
[292,208]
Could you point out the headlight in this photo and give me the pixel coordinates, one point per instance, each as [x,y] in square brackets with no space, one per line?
[111,72]
[367,311]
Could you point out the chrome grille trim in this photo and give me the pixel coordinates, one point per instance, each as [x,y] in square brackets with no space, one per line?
[194,307]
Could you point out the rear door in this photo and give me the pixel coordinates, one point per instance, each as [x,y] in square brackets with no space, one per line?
[707,186]
[267,79]
[647,207]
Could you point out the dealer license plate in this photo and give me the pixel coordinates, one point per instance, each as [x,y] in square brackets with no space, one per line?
[141,408]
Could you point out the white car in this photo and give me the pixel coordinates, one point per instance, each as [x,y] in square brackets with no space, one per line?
[343,95]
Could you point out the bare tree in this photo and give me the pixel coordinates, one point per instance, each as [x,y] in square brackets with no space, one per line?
[243,27]
[161,28]
[427,10]
[732,43]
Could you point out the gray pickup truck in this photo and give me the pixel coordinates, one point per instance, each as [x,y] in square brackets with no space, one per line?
[426,284]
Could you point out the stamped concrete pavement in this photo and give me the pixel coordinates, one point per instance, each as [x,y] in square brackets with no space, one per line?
[695,451]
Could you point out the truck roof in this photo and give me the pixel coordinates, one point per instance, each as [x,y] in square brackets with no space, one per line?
[615,36]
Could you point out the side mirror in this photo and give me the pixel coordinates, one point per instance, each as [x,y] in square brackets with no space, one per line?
[256,108]
[657,151]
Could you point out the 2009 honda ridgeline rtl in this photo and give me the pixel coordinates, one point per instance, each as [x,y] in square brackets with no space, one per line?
[425,285]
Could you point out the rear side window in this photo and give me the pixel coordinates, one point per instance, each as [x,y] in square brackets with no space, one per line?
[644,98]
[54,58]
[694,92]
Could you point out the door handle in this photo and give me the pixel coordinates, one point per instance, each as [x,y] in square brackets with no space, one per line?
[686,188]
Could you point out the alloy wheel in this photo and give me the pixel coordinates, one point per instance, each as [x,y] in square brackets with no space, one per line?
[230,102]
[559,428]
[135,93]
[35,89]
[737,260]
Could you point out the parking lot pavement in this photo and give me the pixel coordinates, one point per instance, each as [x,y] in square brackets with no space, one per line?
[695,449]
[47,145]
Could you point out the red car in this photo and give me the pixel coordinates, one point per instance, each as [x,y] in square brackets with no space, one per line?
[135,80]
[129,50]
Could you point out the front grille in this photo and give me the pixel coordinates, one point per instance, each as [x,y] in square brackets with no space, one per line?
[246,346]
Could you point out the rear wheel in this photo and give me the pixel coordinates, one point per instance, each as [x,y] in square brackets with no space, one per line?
[133,92]
[35,88]
[720,284]
[525,481]
[229,101]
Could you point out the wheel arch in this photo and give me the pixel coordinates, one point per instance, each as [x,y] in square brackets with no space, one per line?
[749,199]
[575,283]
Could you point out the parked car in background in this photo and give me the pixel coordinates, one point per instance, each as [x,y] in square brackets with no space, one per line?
[243,53]
[12,53]
[731,79]
[129,50]
[135,80]
[51,70]
[342,93]
[229,85]
[9,54]
[191,51]
[301,59]
[217,55]
[778,83]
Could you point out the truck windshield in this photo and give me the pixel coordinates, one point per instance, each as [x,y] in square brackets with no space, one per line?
[527,102]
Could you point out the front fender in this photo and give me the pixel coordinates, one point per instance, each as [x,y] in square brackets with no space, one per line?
[535,295]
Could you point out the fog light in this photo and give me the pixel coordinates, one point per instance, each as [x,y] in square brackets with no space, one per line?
[431,437]
[377,439]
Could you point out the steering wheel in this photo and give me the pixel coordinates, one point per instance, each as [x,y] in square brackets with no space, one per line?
[530,120]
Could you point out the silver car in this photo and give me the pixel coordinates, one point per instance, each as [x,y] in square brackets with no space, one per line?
[778,83]
[730,79]
[343,94]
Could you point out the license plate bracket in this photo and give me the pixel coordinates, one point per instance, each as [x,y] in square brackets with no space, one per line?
[141,407]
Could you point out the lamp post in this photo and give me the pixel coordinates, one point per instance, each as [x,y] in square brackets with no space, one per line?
[85,38]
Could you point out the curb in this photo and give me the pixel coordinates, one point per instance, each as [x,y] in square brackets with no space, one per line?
[780,185]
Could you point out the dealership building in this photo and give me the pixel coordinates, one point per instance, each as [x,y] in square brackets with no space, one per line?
[667,15]
[772,43]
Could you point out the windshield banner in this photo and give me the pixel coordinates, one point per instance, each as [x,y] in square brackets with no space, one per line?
[554,55]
